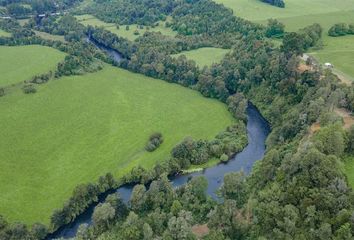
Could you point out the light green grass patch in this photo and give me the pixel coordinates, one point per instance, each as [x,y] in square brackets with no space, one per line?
[256,10]
[349,169]
[4,33]
[49,36]
[77,128]
[122,32]
[20,63]
[23,22]
[339,51]
[205,56]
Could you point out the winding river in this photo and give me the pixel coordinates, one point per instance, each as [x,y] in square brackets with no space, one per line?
[257,131]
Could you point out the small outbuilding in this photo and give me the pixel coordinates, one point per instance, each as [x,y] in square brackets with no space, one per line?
[328,65]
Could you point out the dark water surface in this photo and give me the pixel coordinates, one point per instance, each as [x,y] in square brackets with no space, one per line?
[114,54]
[257,131]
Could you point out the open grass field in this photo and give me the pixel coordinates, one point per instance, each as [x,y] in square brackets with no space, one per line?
[77,128]
[49,36]
[256,10]
[4,34]
[338,51]
[301,13]
[122,32]
[18,64]
[205,56]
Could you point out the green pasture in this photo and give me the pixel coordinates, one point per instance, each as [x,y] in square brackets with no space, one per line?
[77,128]
[205,56]
[20,63]
[339,51]
[256,10]
[122,32]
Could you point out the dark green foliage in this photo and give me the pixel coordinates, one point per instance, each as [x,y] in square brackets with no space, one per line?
[275,28]
[2,92]
[120,208]
[331,140]
[155,140]
[208,17]
[24,8]
[234,187]
[197,152]
[191,152]
[43,78]
[144,12]
[103,216]
[304,39]
[179,228]
[350,145]
[83,195]
[339,29]
[237,105]
[18,10]
[39,231]
[66,25]
[277,3]
[228,220]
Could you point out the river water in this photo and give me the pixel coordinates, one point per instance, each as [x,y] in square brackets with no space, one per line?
[257,131]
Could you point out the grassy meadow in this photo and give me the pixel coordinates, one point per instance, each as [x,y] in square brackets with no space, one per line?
[205,56]
[4,34]
[77,128]
[301,13]
[20,63]
[122,32]
[49,36]
[258,11]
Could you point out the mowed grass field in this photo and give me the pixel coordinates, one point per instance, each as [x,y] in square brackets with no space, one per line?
[20,63]
[77,128]
[205,56]
[122,32]
[301,13]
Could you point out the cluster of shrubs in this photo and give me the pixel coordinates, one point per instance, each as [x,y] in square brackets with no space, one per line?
[43,78]
[155,141]
[29,88]
[197,152]
[277,3]
[341,29]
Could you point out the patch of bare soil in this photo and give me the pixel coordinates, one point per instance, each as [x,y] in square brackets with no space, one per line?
[200,230]
[314,128]
[348,119]
[303,67]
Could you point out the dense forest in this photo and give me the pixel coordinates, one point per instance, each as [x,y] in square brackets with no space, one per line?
[24,8]
[298,191]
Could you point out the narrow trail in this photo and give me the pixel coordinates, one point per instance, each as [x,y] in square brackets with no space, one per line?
[348,118]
